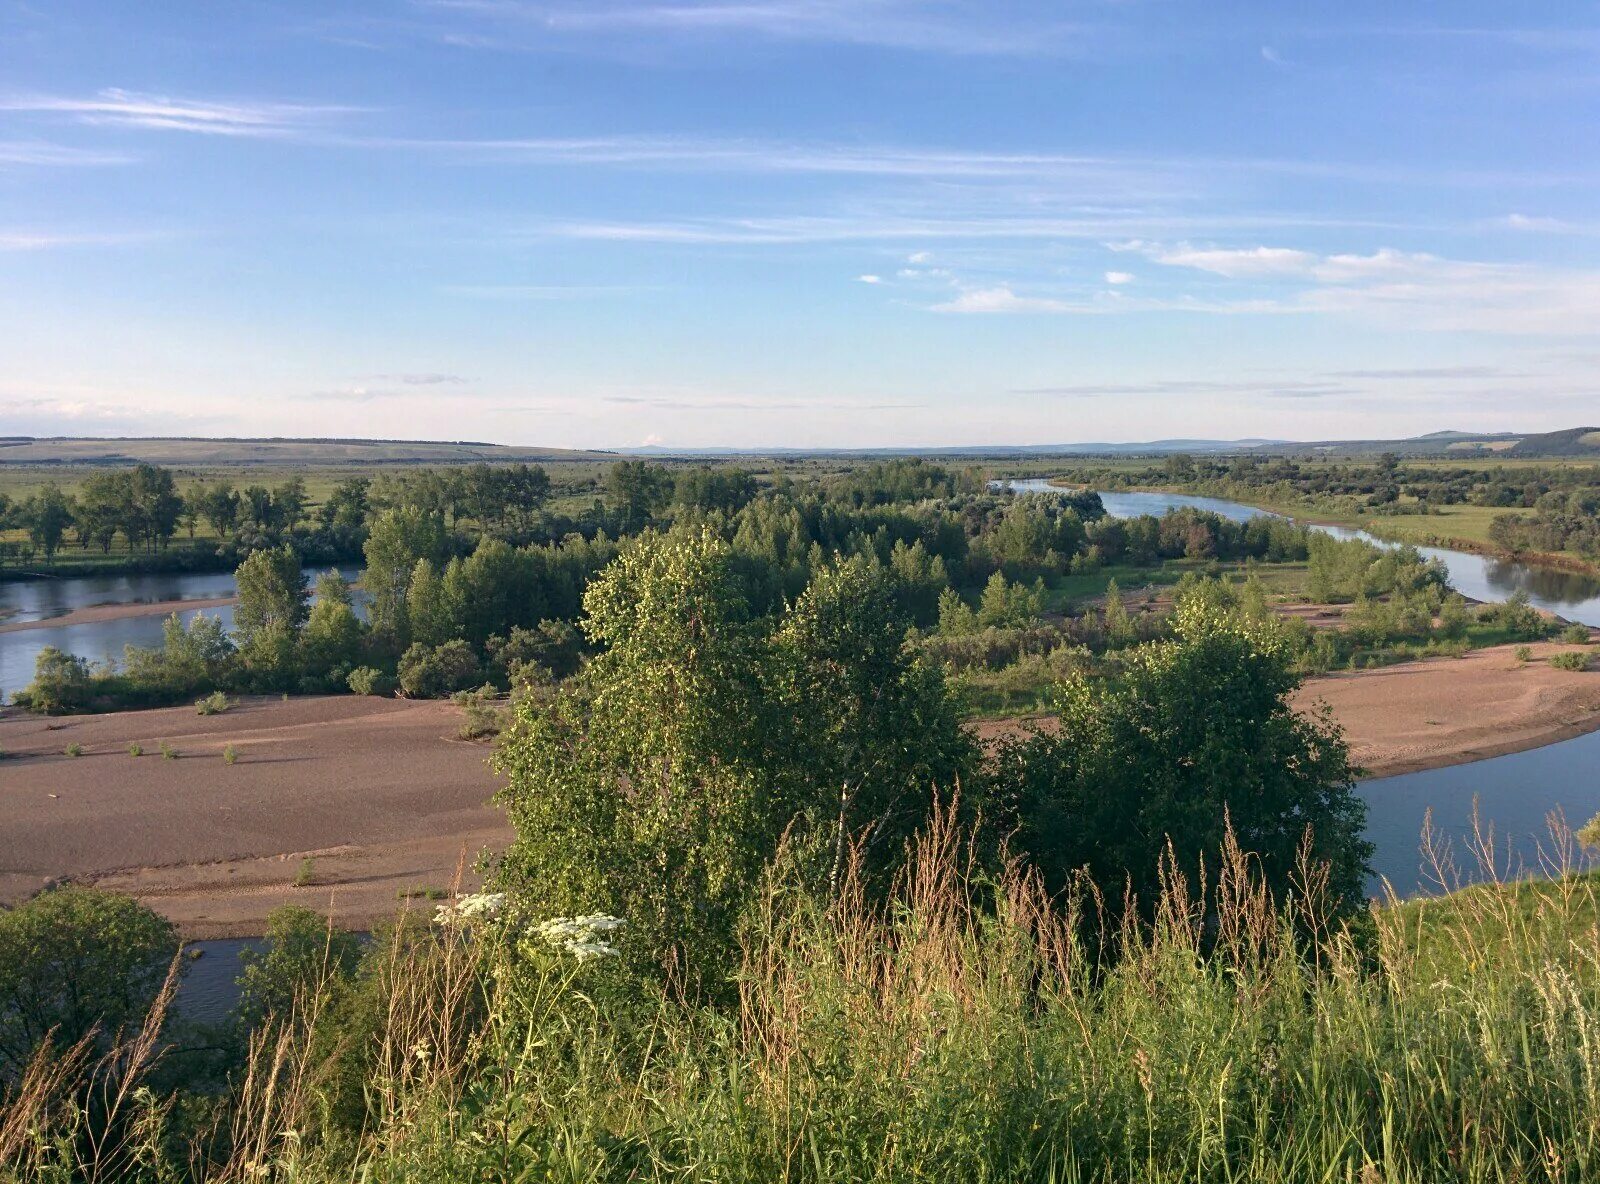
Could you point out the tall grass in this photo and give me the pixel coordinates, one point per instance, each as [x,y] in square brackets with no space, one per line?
[963,1030]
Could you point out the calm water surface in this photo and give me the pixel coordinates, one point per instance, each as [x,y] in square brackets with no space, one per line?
[103,641]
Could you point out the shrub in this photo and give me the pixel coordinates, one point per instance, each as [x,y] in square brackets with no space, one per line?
[306,874]
[368,680]
[432,672]
[304,955]
[214,704]
[230,754]
[73,961]
[73,749]
[1523,654]
[1574,660]
[1575,635]
[168,753]
[136,749]
[61,683]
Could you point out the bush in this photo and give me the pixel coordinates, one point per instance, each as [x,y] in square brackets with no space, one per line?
[483,715]
[61,683]
[230,755]
[368,680]
[1574,660]
[1575,635]
[73,960]
[136,749]
[432,672]
[168,753]
[73,749]
[214,704]
[1523,654]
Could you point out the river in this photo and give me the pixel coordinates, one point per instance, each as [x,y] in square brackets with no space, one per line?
[1572,595]
[1513,795]
[103,641]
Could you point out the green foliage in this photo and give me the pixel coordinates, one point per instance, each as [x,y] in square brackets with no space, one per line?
[1576,635]
[73,749]
[639,793]
[1342,570]
[1517,618]
[72,961]
[305,955]
[873,734]
[399,538]
[1523,654]
[61,683]
[1572,660]
[1005,605]
[214,704]
[368,680]
[230,755]
[433,672]
[333,637]
[135,749]
[1189,735]
[168,753]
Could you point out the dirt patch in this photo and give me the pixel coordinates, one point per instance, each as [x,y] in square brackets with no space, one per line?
[1448,711]
[116,612]
[379,792]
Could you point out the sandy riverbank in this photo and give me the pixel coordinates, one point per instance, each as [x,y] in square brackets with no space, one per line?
[388,804]
[115,612]
[379,793]
[1448,711]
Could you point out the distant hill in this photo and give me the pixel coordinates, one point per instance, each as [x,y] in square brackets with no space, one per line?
[179,450]
[1572,442]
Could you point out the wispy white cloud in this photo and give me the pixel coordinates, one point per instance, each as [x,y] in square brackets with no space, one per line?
[1231,262]
[121,108]
[1119,277]
[36,153]
[869,279]
[1286,388]
[1001,299]
[960,27]
[45,240]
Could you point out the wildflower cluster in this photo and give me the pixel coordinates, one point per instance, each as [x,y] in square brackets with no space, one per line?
[475,906]
[581,936]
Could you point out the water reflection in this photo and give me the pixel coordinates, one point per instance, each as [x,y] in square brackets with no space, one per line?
[1569,594]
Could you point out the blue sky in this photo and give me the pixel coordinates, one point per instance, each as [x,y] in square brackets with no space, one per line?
[798,222]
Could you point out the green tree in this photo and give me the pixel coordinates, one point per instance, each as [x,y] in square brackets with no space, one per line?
[398,538]
[270,612]
[61,682]
[1114,616]
[1191,735]
[74,961]
[637,490]
[431,609]
[333,634]
[870,734]
[304,955]
[638,791]
[46,515]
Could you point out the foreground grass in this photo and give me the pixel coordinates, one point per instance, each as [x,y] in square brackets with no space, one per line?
[964,1033]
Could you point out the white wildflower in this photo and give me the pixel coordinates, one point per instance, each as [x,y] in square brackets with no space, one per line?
[579,936]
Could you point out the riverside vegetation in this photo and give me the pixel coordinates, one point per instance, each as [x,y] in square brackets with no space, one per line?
[771,914]
[461,597]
